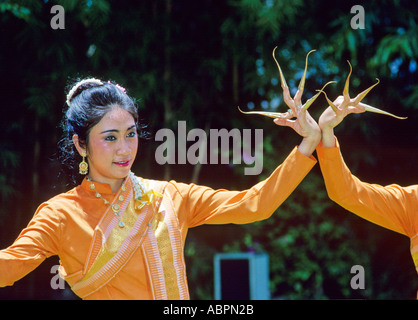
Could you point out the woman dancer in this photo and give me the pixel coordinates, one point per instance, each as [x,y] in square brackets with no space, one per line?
[119,236]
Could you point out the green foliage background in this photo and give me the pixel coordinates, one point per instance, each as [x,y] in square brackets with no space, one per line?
[197,61]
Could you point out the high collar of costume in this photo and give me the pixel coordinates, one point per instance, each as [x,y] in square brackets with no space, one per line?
[102,188]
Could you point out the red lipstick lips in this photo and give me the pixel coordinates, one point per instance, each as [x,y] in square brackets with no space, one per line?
[122,163]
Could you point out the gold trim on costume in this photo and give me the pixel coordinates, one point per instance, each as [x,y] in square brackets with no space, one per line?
[150,224]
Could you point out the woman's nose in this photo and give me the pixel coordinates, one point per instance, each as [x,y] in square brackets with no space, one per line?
[123,148]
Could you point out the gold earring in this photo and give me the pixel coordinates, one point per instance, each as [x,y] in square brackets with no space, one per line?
[83,166]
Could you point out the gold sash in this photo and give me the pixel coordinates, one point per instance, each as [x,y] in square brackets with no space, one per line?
[151,226]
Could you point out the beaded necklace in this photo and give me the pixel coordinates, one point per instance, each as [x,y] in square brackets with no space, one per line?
[139,190]
[115,206]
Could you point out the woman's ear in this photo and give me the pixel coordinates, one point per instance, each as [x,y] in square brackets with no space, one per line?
[76,142]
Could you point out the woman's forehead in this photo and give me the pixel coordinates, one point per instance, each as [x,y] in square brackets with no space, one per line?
[116,118]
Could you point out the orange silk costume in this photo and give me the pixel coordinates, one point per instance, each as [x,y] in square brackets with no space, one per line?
[143,260]
[392,207]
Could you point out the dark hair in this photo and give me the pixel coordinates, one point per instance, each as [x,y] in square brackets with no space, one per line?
[88,102]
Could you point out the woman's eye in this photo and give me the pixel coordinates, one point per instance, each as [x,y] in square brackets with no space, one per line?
[110,138]
[131,134]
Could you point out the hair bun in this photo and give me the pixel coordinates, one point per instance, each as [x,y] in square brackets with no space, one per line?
[82,85]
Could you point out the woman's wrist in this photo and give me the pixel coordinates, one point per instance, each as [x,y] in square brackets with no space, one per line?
[328,139]
[309,144]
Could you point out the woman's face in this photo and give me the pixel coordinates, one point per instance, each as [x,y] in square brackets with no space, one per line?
[112,148]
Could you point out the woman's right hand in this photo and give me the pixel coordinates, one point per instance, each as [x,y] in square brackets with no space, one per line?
[334,115]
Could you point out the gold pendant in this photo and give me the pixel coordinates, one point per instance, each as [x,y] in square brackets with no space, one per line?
[116,208]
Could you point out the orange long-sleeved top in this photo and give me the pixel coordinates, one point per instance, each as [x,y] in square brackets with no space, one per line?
[64,225]
[392,206]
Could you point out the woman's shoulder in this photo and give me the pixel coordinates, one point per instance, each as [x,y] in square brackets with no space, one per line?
[61,202]
[171,186]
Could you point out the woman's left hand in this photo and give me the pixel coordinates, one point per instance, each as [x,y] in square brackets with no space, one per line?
[304,124]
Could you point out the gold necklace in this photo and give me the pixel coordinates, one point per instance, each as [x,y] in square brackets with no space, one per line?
[116,206]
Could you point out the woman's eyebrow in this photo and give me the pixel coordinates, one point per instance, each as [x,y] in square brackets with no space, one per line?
[116,130]
[111,130]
